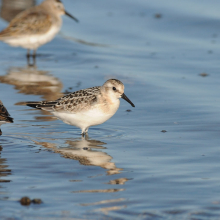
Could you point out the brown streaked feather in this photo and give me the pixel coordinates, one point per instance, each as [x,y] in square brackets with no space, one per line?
[77,101]
[28,22]
[4,115]
[73,102]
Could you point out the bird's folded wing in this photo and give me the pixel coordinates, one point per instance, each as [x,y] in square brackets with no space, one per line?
[81,100]
[4,115]
[32,23]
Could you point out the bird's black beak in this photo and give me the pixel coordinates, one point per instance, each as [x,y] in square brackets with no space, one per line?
[127,99]
[68,14]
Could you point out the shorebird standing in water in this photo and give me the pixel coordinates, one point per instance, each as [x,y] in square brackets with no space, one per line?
[35,26]
[87,107]
[4,116]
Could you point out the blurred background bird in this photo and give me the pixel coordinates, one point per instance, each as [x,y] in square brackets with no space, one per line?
[35,26]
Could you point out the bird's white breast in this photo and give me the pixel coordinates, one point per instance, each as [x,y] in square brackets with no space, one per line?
[83,119]
[91,117]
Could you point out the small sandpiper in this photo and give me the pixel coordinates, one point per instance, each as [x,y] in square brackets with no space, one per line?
[35,26]
[87,107]
[4,116]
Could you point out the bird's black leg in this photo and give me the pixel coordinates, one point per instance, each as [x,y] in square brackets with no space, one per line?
[84,132]
[0,132]
[34,57]
[28,53]
[85,135]
[28,57]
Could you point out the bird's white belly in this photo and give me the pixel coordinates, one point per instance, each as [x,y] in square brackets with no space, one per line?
[84,119]
[32,42]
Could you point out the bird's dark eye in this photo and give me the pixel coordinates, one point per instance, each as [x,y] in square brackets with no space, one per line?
[113,88]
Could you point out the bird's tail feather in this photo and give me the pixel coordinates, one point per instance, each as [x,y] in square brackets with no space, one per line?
[47,105]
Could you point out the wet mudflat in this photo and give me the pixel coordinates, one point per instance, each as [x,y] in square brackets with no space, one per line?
[167,55]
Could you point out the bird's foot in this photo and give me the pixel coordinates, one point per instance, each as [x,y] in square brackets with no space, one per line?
[29,56]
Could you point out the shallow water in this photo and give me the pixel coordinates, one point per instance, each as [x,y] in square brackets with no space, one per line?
[127,168]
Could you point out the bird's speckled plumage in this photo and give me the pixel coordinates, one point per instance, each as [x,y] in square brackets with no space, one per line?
[4,116]
[87,107]
[78,101]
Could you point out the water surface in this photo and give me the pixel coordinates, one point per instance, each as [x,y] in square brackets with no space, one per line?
[167,55]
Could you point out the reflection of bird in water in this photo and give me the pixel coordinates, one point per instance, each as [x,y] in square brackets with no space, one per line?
[30,80]
[4,171]
[87,107]
[4,116]
[35,26]
[86,152]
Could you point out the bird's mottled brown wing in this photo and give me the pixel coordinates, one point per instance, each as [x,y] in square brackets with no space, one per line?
[4,115]
[28,22]
[77,101]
